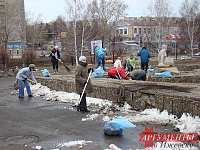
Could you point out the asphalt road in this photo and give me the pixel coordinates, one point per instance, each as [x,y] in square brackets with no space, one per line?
[32,122]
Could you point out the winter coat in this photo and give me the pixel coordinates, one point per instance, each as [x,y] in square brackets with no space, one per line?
[135,73]
[55,55]
[99,51]
[115,71]
[24,73]
[131,61]
[81,76]
[144,56]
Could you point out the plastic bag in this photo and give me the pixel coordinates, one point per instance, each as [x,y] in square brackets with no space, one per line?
[166,73]
[98,73]
[16,85]
[116,126]
[45,73]
[151,70]
[110,129]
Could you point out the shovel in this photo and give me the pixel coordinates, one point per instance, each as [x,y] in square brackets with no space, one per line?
[78,102]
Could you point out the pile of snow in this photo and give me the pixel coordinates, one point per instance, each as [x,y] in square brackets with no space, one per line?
[51,95]
[90,117]
[113,147]
[78,143]
[186,123]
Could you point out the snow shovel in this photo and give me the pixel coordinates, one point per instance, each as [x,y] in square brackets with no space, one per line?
[78,102]
[67,68]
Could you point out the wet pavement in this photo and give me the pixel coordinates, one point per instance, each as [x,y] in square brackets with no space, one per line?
[29,122]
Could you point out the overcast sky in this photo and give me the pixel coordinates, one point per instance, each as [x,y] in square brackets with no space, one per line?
[50,9]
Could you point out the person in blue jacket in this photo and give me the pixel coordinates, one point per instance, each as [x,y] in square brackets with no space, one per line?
[22,76]
[100,54]
[144,56]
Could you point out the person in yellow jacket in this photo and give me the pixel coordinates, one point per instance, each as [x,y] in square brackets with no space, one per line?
[130,63]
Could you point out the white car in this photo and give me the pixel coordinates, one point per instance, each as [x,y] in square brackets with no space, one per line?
[197,54]
[185,57]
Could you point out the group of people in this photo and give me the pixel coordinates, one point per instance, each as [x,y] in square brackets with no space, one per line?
[128,70]
[81,73]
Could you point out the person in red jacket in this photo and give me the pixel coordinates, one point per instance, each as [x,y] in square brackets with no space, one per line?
[117,73]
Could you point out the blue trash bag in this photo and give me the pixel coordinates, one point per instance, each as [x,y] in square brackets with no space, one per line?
[45,73]
[151,70]
[166,74]
[98,73]
[116,126]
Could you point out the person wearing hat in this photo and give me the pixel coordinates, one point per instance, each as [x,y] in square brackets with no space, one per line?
[55,56]
[22,76]
[130,63]
[81,76]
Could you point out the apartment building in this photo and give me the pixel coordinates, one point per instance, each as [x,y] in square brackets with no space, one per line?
[146,29]
[2,22]
[12,21]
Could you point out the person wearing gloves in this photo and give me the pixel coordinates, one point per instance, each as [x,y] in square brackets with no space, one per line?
[144,56]
[55,55]
[99,52]
[22,76]
[117,73]
[81,76]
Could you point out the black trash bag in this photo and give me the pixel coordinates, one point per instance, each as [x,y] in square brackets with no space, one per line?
[109,129]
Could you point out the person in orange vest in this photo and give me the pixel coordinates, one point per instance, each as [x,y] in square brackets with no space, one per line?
[118,73]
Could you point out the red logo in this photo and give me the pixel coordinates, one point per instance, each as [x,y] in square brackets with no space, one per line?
[149,137]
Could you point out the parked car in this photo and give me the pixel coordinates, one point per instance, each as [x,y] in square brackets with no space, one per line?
[131,45]
[197,54]
[185,58]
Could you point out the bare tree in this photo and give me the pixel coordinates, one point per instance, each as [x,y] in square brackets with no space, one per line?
[34,29]
[190,10]
[160,9]
[72,9]
[29,57]
[82,24]
[108,13]
[4,57]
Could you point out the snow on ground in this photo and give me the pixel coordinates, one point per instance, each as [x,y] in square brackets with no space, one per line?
[90,117]
[78,143]
[106,108]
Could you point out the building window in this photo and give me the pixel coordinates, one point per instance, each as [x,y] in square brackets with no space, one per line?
[140,30]
[117,32]
[125,31]
[135,30]
[145,30]
[121,31]
[10,51]
[17,51]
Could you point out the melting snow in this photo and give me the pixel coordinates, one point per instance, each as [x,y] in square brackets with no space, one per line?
[186,123]
[90,117]
[79,143]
